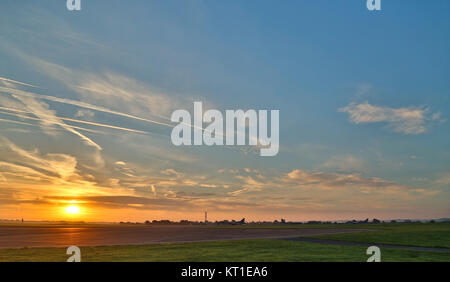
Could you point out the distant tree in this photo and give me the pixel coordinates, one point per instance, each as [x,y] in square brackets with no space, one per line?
[314,222]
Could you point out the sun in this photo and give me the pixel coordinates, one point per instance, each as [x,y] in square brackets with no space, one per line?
[72,210]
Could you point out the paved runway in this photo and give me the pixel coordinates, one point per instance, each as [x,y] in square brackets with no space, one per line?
[27,236]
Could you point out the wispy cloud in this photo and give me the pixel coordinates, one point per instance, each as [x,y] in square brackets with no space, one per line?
[48,117]
[16,122]
[409,120]
[28,95]
[79,121]
[345,163]
[443,180]
[353,184]
[16,113]
[78,104]
[61,165]
[41,110]
[38,173]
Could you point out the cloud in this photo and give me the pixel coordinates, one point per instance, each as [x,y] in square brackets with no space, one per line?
[444,180]
[76,103]
[16,113]
[2,109]
[116,90]
[129,202]
[60,165]
[345,163]
[352,184]
[48,118]
[182,191]
[329,180]
[410,120]
[16,122]
[172,172]
[11,171]
[112,90]
[118,93]
[33,174]
[85,114]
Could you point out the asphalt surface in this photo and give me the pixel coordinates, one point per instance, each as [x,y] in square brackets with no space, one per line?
[27,236]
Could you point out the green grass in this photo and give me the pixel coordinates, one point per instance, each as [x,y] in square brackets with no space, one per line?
[406,234]
[229,251]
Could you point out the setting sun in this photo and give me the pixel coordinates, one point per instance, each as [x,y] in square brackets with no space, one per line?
[72,209]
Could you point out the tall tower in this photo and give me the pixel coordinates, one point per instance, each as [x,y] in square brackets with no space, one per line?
[206,217]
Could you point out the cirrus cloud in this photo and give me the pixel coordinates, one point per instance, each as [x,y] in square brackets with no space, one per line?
[407,120]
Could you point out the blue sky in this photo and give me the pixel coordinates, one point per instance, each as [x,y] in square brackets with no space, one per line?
[363,100]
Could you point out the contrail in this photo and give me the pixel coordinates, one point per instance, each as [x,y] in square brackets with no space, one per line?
[35,125]
[88,106]
[104,125]
[17,122]
[17,82]
[39,119]
[91,107]
[78,104]
[39,111]
[81,121]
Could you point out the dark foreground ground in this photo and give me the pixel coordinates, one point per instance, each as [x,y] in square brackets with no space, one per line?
[62,236]
[403,242]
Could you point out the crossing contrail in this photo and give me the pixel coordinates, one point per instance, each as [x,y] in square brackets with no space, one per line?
[78,104]
[79,121]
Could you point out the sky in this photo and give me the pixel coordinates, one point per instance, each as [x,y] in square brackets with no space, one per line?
[86,98]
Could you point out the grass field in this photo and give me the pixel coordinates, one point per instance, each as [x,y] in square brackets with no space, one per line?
[258,250]
[411,234]
[231,251]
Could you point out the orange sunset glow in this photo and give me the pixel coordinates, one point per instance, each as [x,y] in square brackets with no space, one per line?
[72,210]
